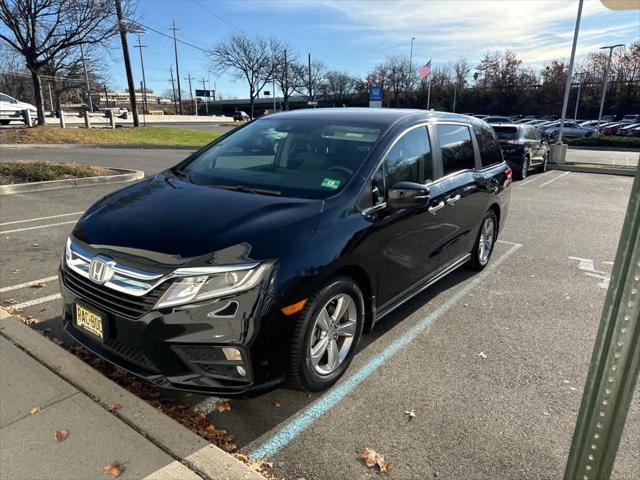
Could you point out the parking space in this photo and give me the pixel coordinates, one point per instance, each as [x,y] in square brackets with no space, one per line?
[492,365]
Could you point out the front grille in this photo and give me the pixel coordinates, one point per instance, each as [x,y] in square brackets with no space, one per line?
[132,354]
[110,300]
[202,354]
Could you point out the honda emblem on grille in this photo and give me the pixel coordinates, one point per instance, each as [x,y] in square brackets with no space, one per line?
[101,269]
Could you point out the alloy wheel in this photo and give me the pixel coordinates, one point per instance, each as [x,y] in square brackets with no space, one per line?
[525,168]
[487,238]
[333,333]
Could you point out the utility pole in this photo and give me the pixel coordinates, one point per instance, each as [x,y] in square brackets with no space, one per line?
[189,78]
[106,96]
[127,64]
[286,82]
[455,93]
[173,87]
[50,97]
[86,77]
[606,79]
[144,114]
[145,103]
[567,87]
[206,98]
[175,49]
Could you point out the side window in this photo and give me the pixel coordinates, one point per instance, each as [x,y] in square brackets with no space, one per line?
[456,148]
[529,134]
[490,152]
[409,160]
[536,134]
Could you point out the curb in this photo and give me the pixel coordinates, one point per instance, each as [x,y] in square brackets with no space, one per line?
[603,148]
[627,172]
[128,146]
[125,176]
[193,451]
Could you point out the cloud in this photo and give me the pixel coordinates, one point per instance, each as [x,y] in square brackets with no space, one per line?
[538,30]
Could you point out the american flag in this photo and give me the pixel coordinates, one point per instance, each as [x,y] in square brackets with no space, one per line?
[425,71]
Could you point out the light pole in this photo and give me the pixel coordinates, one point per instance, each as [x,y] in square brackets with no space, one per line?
[567,86]
[411,55]
[580,77]
[606,79]
[145,105]
[127,63]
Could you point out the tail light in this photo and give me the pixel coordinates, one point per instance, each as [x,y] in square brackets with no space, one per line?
[509,173]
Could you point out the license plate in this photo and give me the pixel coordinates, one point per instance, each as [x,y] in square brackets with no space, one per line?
[91,322]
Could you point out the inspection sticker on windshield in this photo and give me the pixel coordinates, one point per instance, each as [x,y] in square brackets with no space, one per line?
[330,183]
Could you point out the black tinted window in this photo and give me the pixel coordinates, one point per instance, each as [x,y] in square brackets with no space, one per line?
[456,148]
[530,134]
[409,160]
[490,152]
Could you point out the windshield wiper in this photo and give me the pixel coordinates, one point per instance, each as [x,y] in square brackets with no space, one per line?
[244,188]
[183,174]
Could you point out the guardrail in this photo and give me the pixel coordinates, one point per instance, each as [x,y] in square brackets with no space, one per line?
[27,116]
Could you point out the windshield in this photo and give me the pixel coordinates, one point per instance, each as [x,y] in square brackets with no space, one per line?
[289,157]
[506,133]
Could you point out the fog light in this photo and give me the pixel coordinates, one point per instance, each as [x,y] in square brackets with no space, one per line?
[241,370]
[232,354]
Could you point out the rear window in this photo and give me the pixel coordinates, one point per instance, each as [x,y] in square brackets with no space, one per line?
[456,148]
[506,133]
[490,152]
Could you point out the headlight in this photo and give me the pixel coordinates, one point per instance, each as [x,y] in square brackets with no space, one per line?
[194,286]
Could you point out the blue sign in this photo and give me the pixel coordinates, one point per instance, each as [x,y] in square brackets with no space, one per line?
[375,94]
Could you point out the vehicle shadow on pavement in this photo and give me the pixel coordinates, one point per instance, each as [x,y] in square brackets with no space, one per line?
[251,418]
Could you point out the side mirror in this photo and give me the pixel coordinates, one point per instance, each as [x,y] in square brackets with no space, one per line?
[407,195]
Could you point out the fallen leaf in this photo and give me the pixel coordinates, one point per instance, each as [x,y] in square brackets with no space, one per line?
[39,284]
[57,341]
[114,407]
[276,403]
[482,355]
[60,435]
[223,407]
[8,302]
[411,414]
[372,458]
[114,469]
[35,410]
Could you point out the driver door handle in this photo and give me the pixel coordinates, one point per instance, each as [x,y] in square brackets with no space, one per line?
[452,200]
[434,208]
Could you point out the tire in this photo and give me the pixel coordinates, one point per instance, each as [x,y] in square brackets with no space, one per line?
[313,373]
[480,259]
[524,171]
[545,160]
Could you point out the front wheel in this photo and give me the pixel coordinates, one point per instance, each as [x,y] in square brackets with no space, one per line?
[326,335]
[545,160]
[487,236]
[524,171]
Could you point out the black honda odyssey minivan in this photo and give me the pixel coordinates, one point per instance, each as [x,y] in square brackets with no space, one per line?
[265,255]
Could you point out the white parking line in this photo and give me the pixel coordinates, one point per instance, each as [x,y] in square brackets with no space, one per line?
[37,301]
[554,179]
[2,232]
[27,284]
[41,218]
[537,177]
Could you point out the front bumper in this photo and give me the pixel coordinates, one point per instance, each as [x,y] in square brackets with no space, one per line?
[182,347]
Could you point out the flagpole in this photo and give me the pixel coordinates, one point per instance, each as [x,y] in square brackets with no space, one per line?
[429,94]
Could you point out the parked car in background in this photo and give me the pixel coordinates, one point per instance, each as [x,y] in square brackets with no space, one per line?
[240,116]
[535,122]
[630,118]
[11,109]
[611,128]
[633,132]
[626,127]
[252,261]
[571,130]
[523,148]
[497,119]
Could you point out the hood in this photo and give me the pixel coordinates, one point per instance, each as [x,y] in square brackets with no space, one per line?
[170,221]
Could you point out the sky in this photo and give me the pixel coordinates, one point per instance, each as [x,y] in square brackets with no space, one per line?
[356,35]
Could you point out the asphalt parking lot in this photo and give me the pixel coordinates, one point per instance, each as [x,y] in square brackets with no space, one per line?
[492,364]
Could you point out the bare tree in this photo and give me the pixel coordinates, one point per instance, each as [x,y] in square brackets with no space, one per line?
[313,78]
[396,75]
[462,70]
[289,73]
[41,30]
[339,86]
[251,58]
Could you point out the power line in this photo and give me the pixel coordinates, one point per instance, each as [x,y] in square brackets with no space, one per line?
[215,14]
[159,32]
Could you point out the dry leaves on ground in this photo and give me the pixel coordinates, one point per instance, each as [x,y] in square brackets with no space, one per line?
[482,355]
[276,403]
[261,466]
[223,407]
[372,458]
[39,284]
[114,407]
[60,435]
[35,410]
[114,469]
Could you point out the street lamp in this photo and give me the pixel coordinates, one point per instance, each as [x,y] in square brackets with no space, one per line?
[606,79]
[411,55]
[580,77]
